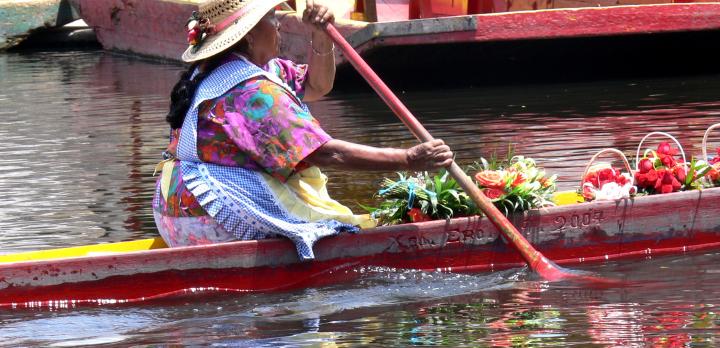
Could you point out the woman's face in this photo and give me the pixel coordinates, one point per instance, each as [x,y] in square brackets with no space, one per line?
[265,39]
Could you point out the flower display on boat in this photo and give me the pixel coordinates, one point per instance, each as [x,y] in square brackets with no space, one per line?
[421,198]
[713,174]
[416,215]
[513,185]
[661,171]
[490,179]
[603,182]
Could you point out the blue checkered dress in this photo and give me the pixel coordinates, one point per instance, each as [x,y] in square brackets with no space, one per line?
[238,198]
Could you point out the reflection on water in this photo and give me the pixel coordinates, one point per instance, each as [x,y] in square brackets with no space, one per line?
[80,134]
[82,131]
[673,304]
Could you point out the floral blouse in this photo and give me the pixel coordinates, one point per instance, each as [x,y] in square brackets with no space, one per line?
[257,125]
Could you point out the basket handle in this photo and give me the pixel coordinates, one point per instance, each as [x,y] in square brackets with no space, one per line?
[704,142]
[637,154]
[608,150]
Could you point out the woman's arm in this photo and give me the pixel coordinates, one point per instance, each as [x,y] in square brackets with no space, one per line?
[321,62]
[350,156]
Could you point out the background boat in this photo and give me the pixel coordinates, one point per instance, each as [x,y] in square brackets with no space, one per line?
[475,41]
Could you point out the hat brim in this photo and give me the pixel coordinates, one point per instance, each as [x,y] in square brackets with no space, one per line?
[218,42]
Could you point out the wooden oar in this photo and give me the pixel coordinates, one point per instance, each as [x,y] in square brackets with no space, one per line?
[537,262]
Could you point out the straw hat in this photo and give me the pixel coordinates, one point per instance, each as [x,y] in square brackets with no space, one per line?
[220,24]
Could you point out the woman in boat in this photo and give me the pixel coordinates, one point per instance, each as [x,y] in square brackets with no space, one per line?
[244,149]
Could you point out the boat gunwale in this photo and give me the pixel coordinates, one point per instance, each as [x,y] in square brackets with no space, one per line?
[630,229]
[470,22]
[253,246]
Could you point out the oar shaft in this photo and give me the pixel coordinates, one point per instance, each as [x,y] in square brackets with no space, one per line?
[528,252]
[379,86]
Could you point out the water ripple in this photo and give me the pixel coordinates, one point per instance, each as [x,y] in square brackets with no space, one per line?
[82,131]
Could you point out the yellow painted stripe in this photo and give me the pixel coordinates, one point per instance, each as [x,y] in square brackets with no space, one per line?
[87,250]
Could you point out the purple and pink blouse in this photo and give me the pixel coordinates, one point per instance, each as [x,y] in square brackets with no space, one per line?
[257,125]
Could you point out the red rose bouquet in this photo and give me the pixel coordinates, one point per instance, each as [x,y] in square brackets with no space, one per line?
[660,171]
[603,182]
[665,170]
[713,174]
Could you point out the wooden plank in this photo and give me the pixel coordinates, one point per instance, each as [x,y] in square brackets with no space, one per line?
[370,7]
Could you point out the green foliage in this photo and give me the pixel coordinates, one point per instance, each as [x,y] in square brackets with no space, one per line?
[432,197]
[520,186]
[696,171]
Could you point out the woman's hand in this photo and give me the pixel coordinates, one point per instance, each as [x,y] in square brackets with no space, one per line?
[429,155]
[317,15]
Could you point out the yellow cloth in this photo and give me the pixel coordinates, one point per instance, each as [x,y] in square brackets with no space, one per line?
[305,196]
[567,198]
[166,168]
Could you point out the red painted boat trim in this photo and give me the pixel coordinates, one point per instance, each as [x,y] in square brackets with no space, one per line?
[569,235]
[600,21]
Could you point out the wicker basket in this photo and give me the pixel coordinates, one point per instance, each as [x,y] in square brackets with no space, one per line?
[705,139]
[604,151]
[573,197]
[637,154]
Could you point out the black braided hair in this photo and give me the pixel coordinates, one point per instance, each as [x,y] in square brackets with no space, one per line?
[184,90]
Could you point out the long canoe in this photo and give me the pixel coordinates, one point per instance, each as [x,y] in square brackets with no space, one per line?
[571,234]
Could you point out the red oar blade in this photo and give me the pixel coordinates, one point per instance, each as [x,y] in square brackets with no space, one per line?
[551,271]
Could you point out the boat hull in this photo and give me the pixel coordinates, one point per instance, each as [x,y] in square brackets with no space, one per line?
[571,235]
